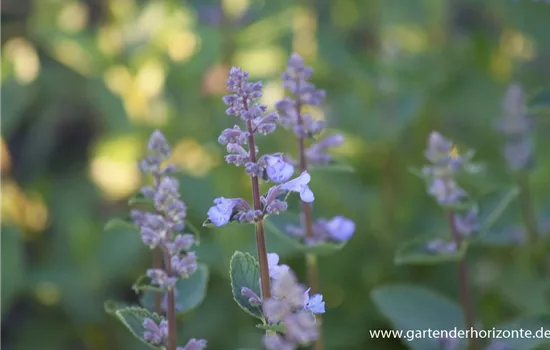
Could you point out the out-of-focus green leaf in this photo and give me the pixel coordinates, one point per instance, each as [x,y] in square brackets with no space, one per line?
[139,198]
[190,292]
[525,333]
[244,271]
[412,308]
[277,224]
[118,223]
[13,262]
[415,252]
[14,97]
[335,166]
[492,208]
[539,104]
[133,317]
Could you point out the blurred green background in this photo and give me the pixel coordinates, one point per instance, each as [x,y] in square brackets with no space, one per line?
[85,82]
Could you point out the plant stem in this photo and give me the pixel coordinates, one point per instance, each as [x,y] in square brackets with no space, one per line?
[260,233]
[530,221]
[157,264]
[463,282]
[171,307]
[311,259]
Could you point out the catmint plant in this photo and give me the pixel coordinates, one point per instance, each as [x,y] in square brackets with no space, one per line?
[263,288]
[516,127]
[442,185]
[162,230]
[294,116]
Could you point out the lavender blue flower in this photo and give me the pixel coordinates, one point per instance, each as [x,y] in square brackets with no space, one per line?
[300,185]
[467,223]
[290,304]
[157,334]
[516,126]
[226,208]
[449,343]
[278,170]
[337,229]
[160,278]
[498,345]
[253,298]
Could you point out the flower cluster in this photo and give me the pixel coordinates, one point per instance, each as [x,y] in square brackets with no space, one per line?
[291,305]
[446,164]
[243,102]
[337,229]
[164,229]
[516,127]
[157,334]
[291,115]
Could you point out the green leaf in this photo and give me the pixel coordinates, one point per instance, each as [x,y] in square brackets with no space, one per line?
[111,306]
[412,308]
[276,225]
[414,253]
[279,327]
[12,256]
[118,223]
[536,324]
[190,292]
[133,317]
[194,230]
[244,272]
[144,283]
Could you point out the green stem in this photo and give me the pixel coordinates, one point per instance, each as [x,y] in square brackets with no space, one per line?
[530,221]
[463,282]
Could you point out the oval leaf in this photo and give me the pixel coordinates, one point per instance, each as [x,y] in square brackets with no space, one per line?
[244,272]
[133,317]
[277,224]
[415,253]
[411,308]
[190,292]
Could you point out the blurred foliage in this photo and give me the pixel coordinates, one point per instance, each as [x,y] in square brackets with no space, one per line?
[85,82]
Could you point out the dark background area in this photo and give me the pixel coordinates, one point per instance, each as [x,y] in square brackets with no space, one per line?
[85,82]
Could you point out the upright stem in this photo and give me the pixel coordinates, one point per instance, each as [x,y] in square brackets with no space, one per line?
[260,234]
[171,307]
[311,259]
[157,264]
[463,282]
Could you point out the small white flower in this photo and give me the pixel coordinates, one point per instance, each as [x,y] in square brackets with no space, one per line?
[299,185]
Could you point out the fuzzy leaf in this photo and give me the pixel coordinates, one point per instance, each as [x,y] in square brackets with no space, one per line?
[133,317]
[190,292]
[144,283]
[279,327]
[411,308]
[118,223]
[414,253]
[538,325]
[244,271]
[276,225]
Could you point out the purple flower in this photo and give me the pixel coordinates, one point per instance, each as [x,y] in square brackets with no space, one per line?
[161,278]
[316,153]
[467,223]
[277,342]
[449,343]
[155,334]
[446,191]
[253,298]
[194,344]
[314,303]
[498,345]
[274,268]
[299,185]
[221,212]
[440,246]
[340,228]
[278,170]
[184,266]
[301,328]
